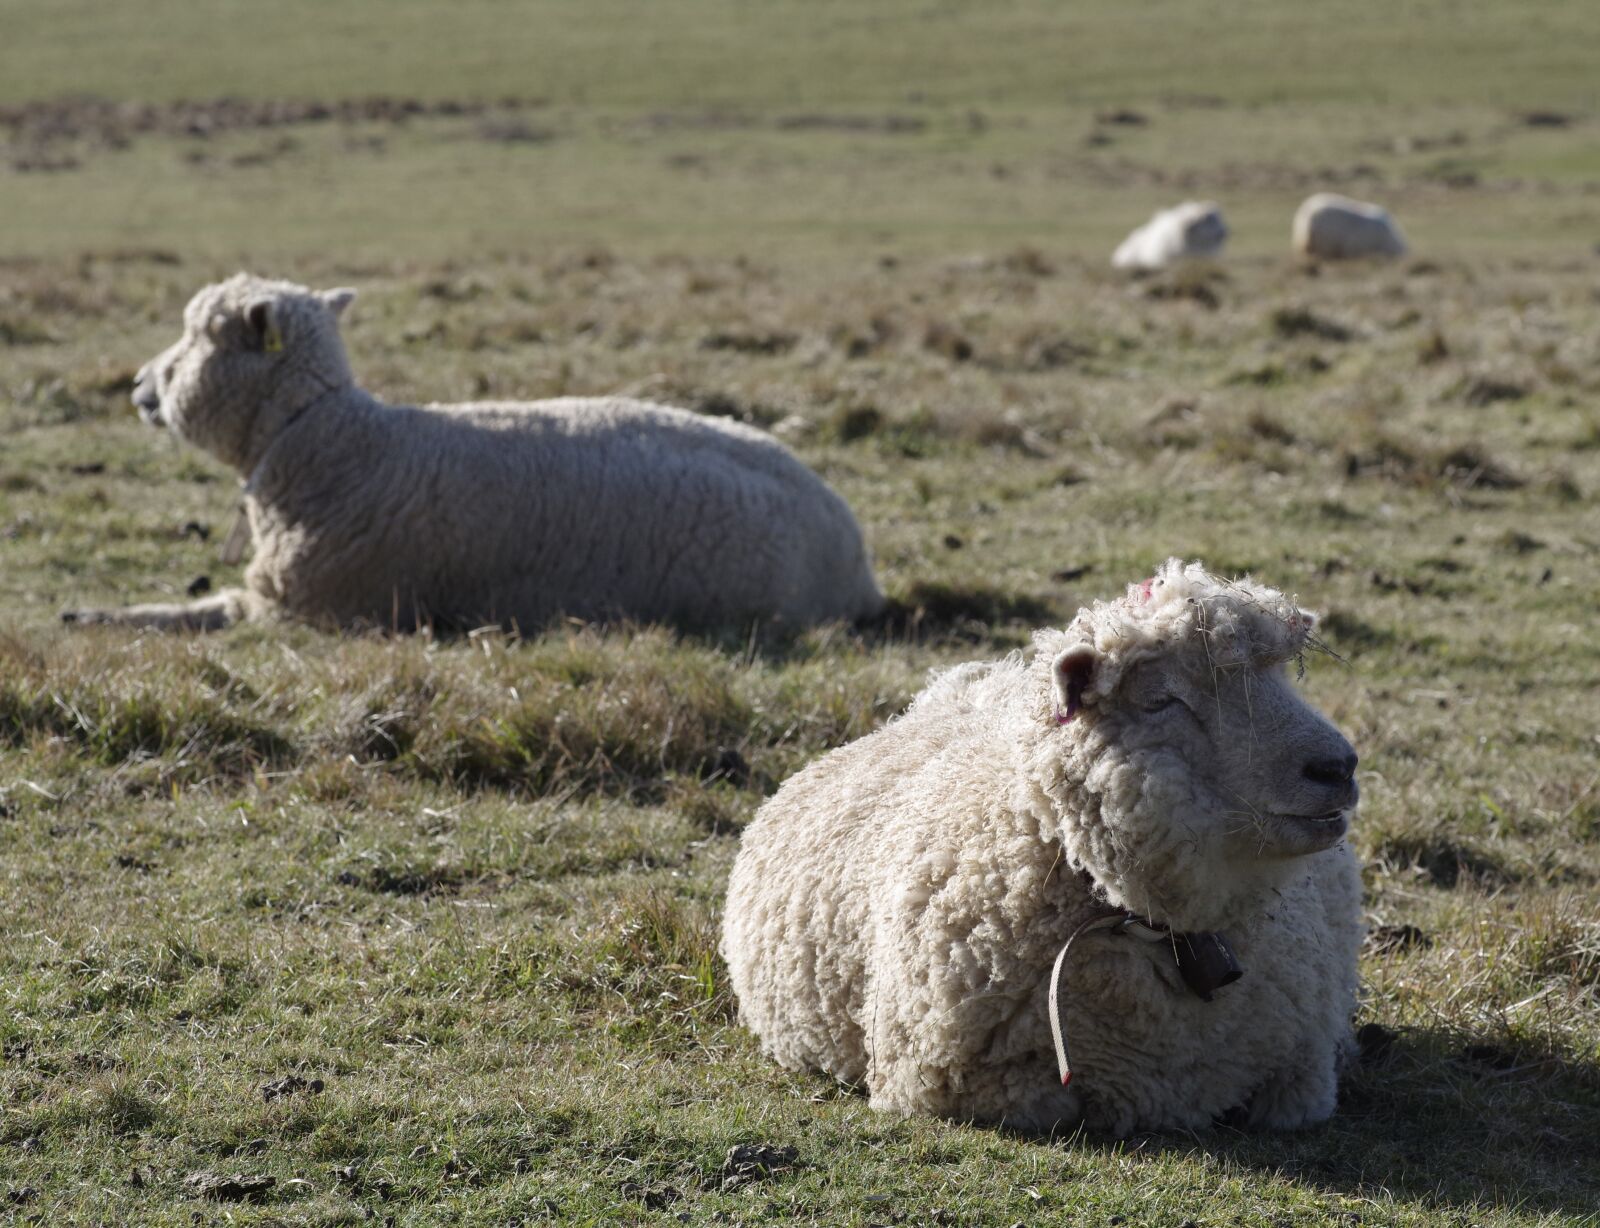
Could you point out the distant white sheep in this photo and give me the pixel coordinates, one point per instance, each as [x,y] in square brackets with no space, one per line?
[1328,226]
[364,513]
[1148,781]
[1190,231]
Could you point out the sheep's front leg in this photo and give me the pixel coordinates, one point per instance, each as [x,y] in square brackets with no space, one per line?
[1298,1096]
[210,614]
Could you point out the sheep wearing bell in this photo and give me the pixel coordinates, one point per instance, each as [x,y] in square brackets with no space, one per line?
[1145,806]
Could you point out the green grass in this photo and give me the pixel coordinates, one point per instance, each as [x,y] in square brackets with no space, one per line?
[473,886]
[824,130]
[832,53]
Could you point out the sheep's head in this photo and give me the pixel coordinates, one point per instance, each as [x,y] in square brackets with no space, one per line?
[1177,703]
[1203,228]
[254,353]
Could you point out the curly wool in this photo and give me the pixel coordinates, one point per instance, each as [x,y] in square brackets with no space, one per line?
[896,907]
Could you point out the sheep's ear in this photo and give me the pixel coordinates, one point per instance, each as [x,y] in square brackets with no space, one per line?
[1073,672]
[338,300]
[262,316]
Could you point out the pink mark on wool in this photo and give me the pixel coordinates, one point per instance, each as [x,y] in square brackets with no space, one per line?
[1144,589]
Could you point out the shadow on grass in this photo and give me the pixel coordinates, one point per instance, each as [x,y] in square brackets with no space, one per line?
[1434,1119]
[925,612]
[969,613]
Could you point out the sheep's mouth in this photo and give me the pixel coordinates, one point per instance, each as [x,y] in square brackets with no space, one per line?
[146,399]
[1325,823]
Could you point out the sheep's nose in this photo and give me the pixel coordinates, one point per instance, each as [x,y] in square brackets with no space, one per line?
[145,395]
[1332,772]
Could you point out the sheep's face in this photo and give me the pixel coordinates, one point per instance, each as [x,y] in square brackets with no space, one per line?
[1271,775]
[1186,676]
[1205,233]
[253,355]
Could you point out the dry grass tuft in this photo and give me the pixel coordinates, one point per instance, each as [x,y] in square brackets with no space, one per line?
[1293,322]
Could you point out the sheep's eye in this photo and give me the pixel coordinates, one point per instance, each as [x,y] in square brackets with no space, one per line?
[1158,702]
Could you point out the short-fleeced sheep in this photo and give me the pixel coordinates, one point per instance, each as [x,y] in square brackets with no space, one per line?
[1328,226]
[364,513]
[1148,780]
[1193,230]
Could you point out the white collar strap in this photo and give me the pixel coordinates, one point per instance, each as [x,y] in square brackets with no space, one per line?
[1205,961]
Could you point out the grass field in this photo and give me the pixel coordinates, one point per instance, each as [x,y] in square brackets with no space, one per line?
[425,932]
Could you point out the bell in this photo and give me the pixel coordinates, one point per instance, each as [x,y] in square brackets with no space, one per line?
[1206,962]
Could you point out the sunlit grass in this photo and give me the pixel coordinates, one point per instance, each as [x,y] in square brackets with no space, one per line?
[454,903]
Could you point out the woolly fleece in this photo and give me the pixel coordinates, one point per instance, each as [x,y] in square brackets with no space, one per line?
[1328,226]
[895,908]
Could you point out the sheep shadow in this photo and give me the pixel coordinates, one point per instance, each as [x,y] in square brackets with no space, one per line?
[930,613]
[1436,1120]
[924,612]
[971,613]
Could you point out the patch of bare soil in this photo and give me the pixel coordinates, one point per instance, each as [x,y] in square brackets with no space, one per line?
[716,120]
[748,1163]
[229,1187]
